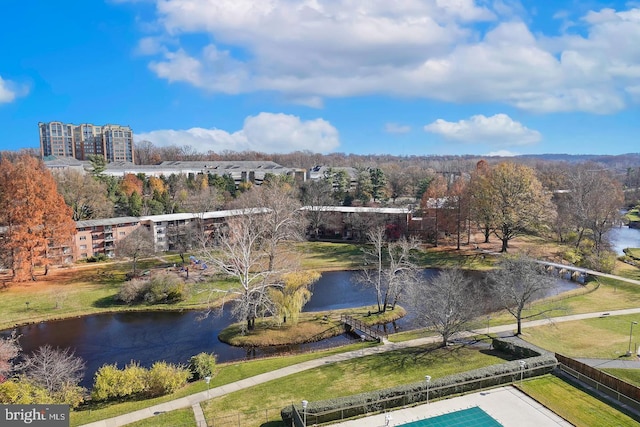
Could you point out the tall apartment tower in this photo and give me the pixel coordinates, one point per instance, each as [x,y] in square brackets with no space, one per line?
[113,142]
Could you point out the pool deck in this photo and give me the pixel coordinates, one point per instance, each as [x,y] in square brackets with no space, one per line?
[507,405]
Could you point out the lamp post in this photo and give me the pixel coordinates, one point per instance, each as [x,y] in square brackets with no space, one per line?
[630,335]
[362,337]
[304,413]
[522,366]
[427,378]
[207,380]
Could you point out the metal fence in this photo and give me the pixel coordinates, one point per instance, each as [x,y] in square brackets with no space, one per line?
[410,399]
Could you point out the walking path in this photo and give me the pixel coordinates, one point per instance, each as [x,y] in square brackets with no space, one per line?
[195,399]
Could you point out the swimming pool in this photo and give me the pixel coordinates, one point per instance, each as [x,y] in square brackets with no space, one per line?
[472,417]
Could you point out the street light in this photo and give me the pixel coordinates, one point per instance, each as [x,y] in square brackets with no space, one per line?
[630,335]
[207,380]
[428,380]
[362,337]
[304,413]
[522,366]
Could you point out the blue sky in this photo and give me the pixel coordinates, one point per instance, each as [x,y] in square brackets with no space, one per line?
[403,77]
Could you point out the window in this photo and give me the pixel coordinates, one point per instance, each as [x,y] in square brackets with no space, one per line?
[122,233]
[83,237]
[83,247]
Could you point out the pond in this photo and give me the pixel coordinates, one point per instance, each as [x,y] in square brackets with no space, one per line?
[624,237]
[175,336]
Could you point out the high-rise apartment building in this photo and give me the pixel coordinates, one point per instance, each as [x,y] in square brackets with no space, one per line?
[113,142]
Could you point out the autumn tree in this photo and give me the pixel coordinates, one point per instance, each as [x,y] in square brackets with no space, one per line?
[516,283]
[138,244]
[447,303]
[84,194]
[519,203]
[33,213]
[481,203]
[388,267]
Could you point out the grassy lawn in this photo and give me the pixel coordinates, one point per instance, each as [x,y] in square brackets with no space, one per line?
[83,290]
[604,337]
[346,378]
[632,376]
[574,405]
[178,418]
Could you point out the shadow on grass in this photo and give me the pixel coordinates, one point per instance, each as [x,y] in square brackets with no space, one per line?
[107,302]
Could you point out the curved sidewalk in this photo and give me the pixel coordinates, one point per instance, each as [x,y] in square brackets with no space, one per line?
[196,398]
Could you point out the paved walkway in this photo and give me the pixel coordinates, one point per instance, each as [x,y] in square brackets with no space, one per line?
[195,399]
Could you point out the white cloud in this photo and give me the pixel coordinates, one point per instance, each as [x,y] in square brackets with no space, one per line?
[396,128]
[310,49]
[265,132]
[8,92]
[501,153]
[497,130]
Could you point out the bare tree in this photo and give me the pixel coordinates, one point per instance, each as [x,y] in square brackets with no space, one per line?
[54,369]
[138,244]
[518,281]
[9,350]
[595,198]
[252,248]
[446,303]
[242,256]
[392,269]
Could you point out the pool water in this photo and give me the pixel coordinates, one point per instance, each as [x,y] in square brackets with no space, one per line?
[472,417]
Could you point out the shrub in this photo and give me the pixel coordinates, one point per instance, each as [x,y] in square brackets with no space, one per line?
[113,383]
[132,291]
[160,289]
[202,365]
[164,289]
[165,378]
[18,391]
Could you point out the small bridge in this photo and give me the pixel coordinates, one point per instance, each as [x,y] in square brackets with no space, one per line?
[352,324]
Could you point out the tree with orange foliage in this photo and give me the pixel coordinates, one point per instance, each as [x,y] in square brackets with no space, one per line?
[130,184]
[34,216]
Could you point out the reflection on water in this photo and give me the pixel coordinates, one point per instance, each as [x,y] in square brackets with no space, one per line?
[175,336]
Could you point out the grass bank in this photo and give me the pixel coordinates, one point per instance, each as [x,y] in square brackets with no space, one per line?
[575,405]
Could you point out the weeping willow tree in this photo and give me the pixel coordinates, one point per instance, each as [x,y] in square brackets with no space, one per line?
[290,299]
